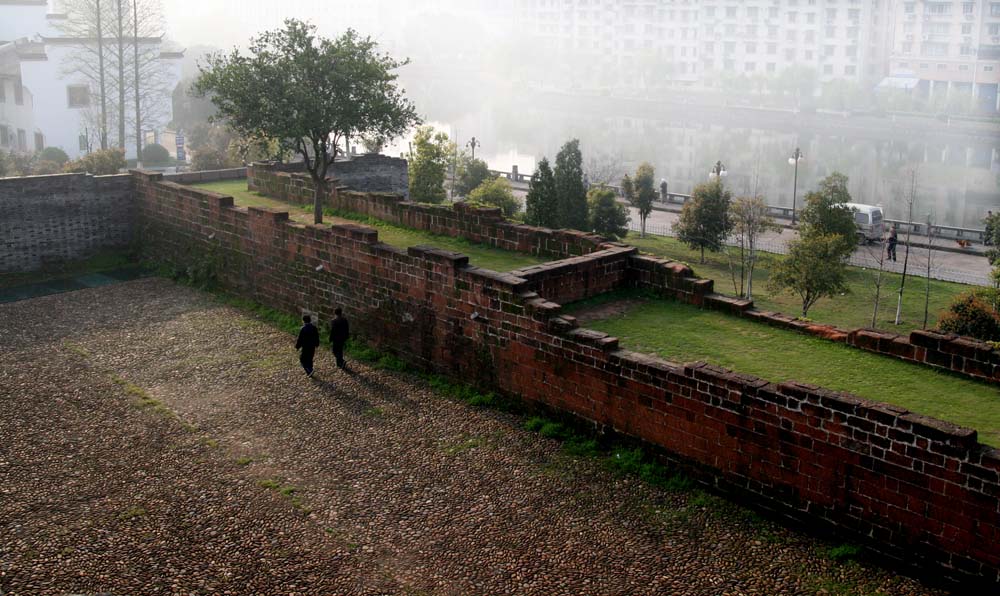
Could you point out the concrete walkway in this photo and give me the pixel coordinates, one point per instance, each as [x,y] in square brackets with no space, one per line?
[963,267]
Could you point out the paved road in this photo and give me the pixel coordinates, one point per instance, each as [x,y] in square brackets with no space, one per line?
[155,442]
[969,268]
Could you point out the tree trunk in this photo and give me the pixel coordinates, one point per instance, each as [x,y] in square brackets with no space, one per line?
[121,78]
[138,111]
[702,255]
[100,66]
[642,230]
[318,197]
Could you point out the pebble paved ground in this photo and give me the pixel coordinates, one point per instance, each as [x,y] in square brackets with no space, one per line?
[156,442]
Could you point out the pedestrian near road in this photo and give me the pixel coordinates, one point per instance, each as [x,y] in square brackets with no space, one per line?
[340,331]
[890,246]
[308,342]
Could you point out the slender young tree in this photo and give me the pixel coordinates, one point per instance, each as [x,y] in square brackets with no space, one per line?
[138,99]
[906,256]
[644,194]
[120,38]
[704,222]
[308,92]
[571,192]
[930,259]
[541,207]
[102,81]
[750,221]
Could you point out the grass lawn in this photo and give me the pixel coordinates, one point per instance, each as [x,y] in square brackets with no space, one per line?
[851,310]
[684,333]
[479,255]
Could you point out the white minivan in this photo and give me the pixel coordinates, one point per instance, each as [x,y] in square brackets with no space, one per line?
[868,219]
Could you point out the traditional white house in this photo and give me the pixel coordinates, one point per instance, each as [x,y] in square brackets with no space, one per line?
[45,101]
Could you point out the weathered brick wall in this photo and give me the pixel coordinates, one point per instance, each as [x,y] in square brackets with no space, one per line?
[486,226]
[362,173]
[49,219]
[915,489]
[207,176]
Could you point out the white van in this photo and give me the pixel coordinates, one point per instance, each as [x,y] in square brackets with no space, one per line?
[868,219]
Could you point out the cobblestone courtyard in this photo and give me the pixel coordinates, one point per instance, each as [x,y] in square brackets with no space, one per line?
[153,441]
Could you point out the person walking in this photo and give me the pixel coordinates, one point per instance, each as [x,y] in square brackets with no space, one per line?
[308,342]
[891,243]
[340,331]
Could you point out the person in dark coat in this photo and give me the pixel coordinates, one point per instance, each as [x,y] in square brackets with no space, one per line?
[340,331]
[308,342]
[891,243]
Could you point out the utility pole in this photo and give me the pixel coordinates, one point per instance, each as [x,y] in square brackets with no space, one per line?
[100,67]
[794,160]
[906,258]
[138,109]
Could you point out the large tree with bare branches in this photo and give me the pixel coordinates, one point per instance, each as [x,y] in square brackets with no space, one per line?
[117,51]
[309,92]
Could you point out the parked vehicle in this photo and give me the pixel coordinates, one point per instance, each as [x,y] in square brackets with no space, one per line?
[868,219]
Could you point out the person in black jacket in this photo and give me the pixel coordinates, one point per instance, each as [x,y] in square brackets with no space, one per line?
[308,342]
[339,332]
[891,243]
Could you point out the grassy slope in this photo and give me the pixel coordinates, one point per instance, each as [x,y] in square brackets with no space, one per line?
[851,310]
[479,255]
[683,333]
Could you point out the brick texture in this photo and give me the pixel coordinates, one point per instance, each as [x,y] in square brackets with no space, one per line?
[484,226]
[918,490]
[50,219]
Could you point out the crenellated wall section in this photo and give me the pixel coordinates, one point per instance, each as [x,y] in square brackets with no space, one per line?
[917,490]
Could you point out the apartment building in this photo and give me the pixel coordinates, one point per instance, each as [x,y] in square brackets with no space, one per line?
[951,48]
[44,101]
[948,44]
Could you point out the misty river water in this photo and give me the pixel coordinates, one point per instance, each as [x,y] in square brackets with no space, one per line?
[953,168]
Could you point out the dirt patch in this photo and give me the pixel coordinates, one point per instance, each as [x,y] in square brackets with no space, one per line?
[599,312]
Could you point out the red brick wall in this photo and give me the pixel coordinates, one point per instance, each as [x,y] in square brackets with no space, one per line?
[915,489]
[486,226]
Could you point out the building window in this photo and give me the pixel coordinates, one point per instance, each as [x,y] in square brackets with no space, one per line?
[942,67]
[966,28]
[963,67]
[995,9]
[968,7]
[828,69]
[994,28]
[22,140]
[730,12]
[850,69]
[4,136]
[831,14]
[77,96]
[750,66]
[39,141]
[987,69]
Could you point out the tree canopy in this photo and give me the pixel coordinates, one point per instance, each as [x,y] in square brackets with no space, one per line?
[309,92]
[814,268]
[496,192]
[826,213]
[571,193]
[471,173]
[704,222]
[607,216]
[541,205]
[641,193]
[428,165]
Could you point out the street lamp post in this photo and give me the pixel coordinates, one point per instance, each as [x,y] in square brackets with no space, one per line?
[472,144]
[794,161]
[718,171]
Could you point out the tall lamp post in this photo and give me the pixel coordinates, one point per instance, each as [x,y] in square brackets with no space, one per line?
[794,161]
[472,144]
[718,171]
